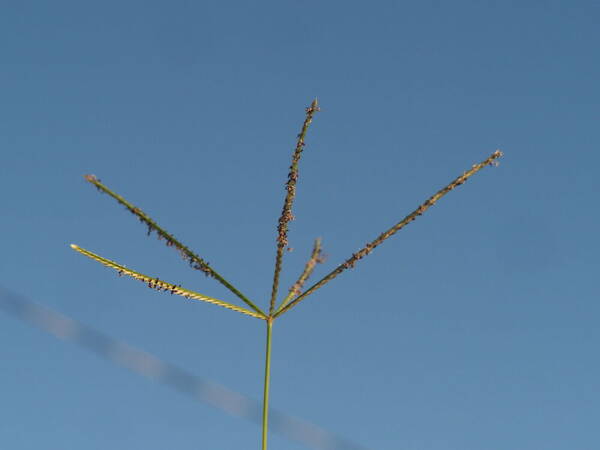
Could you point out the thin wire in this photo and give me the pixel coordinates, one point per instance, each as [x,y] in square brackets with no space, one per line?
[149,366]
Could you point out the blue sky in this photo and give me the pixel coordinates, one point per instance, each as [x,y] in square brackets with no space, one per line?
[473,328]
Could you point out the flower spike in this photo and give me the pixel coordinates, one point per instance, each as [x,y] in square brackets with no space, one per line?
[192,258]
[286,213]
[161,285]
[368,248]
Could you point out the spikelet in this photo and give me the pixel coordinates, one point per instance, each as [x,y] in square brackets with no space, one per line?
[195,261]
[161,285]
[316,257]
[286,212]
[368,248]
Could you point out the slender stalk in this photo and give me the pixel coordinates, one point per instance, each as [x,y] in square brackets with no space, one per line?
[265,421]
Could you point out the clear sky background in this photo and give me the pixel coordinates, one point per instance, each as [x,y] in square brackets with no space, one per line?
[475,328]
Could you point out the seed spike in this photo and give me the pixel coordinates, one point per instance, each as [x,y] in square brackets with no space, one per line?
[192,258]
[160,285]
[286,213]
[316,257]
[369,247]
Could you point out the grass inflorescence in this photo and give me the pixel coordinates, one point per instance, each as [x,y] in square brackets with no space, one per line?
[295,293]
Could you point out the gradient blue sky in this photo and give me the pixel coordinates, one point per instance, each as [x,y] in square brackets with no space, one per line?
[476,327]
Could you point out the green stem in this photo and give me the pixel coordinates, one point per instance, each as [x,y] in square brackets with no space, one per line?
[265,421]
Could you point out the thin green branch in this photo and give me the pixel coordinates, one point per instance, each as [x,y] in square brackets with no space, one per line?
[161,285]
[286,213]
[194,260]
[265,416]
[350,262]
[316,257]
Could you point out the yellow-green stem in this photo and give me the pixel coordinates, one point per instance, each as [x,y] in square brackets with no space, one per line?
[265,421]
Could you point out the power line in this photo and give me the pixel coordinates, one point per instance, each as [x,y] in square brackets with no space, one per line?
[150,366]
